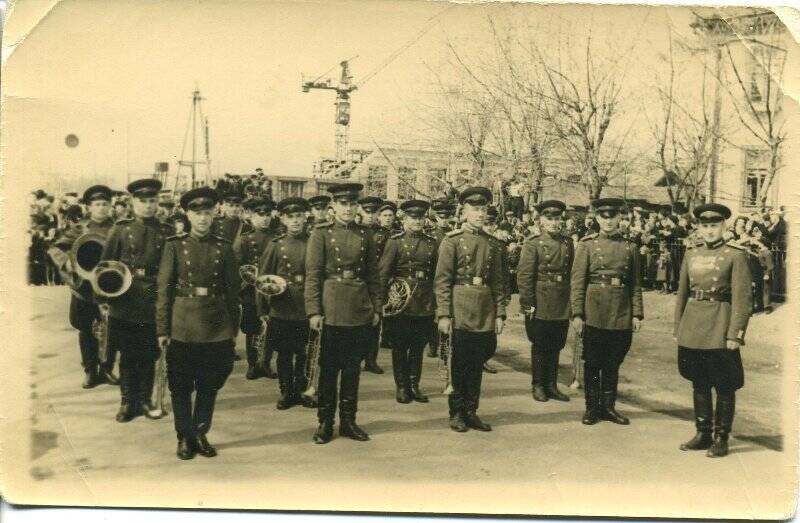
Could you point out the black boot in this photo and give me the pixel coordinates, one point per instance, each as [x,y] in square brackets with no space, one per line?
[538,375]
[286,383]
[148,375]
[474,422]
[126,411]
[610,378]
[414,374]
[267,365]
[400,379]
[349,429]
[371,365]
[723,421]
[551,379]
[702,420]
[106,375]
[324,432]
[186,448]
[591,391]
[251,373]
[204,448]
[90,379]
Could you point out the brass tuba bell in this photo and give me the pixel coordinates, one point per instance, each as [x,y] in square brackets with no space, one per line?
[271,285]
[86,253]
[111,278]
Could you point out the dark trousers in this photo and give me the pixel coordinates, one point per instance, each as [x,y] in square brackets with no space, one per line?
[288,338]
[407,335]
[547,338]
[342,351]
[82,314]
[138,348]
[373,344]
[604,350]
[470,351]
[202,368]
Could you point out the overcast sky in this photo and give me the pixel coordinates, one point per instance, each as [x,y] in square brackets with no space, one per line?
[119,75]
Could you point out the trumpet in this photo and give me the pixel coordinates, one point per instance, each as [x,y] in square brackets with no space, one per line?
[445,362]
[248,274]
[313,349]
[111,278]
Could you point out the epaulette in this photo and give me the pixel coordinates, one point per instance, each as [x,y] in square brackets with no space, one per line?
[398,235]
[178,236]
[124,220]
[221,238]
[278,237]
[323,225]
[590,236]
[534,235]
[735,245]
[429,236]
[454,232]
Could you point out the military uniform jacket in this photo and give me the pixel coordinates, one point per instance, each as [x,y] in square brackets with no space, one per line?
[138,243]
[249,249]
[198,290]
[229,228]
[285,256]
[714,296]
[502,248]
[469,285]
[381,235]
[439,233]
[342,281]
[543,276]
[606,282]
[412,258]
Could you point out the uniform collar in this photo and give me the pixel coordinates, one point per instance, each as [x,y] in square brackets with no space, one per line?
[614,234]
[473,230]
[204,238]
[340,223]
[153,220]
[714,245]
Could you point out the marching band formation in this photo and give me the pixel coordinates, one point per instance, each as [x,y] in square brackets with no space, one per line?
[334,281]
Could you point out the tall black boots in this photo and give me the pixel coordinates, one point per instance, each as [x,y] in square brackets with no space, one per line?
[609,380]
[703,417]
[544,376]
[723,421]
[591,391]
[399,365]
[415,373]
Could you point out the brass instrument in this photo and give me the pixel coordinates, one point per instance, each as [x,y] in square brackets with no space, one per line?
[398,297]
[160,409]
[260,342]
[85,254]
[271,285]
[445,362]
[100,329]
[248,274]
[313,349]
[111,278]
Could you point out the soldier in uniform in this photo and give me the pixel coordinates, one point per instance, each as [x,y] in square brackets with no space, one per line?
[606,301]
[712,310]
[319,209]
[83,308]
[543,279]
[285,256]
[249,248]
[490,228]
[230,225]
[138,243]
[387,213]
[444,212]
[470,305]
[411,256]
[343,293]
[198,318]
[369,209]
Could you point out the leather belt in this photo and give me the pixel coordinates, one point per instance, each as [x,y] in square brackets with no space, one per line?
[607,279]
[551,276]
[419,275]
[344,275]
[704,295]
[475,281]
[294,278]
[196,292]
[143,272]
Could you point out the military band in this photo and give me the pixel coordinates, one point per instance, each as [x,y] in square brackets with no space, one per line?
[323,279]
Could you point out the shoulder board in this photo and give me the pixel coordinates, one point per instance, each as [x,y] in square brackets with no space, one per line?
[398,235]
[589,237]
[323,225]
[455,232]
[278,237]
[534,235]
[124,220]
[429,236]
[221,239]
[178,236]
[735,246]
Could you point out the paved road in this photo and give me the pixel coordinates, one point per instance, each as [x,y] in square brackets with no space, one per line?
[538,459]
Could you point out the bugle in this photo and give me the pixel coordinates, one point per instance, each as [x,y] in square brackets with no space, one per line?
[111,278]
[313,349]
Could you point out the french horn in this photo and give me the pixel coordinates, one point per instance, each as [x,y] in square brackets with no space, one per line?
[398,297]
[270,285]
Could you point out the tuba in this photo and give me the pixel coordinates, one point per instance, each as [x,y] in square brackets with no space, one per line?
[111,278]
[248,274]
[445,362]
[270,285]
[398,297]
[313,348]
[85,254]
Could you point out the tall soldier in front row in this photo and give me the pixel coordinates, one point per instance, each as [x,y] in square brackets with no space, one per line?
[249,248]
[287,333]
[198,318]
[543,279]
[342,293]
[712,310]
[138,243]
[607,308]
[410,256]
[470,305]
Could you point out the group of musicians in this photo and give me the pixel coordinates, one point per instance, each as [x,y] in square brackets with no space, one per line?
[188,300]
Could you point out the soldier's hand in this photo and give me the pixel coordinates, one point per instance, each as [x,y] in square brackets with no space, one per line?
[445,326]
[163,341]
[637,324]
[315,322]
[732,344]
[376,319]
[499,323]
[577,324]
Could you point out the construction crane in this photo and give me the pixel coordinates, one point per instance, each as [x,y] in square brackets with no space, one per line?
[342,104]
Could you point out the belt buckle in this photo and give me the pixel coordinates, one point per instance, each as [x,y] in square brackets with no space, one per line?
[298,278]
[201,291]
[420,275]
[348,275]
[477,280]
[699,294]
[615,280]
[140,272]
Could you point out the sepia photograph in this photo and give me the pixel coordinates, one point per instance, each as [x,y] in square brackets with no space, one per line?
[400,257]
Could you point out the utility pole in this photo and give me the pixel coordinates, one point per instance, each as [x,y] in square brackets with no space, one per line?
[197,123]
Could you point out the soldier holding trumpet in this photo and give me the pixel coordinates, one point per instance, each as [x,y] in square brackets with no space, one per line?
[285,256]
